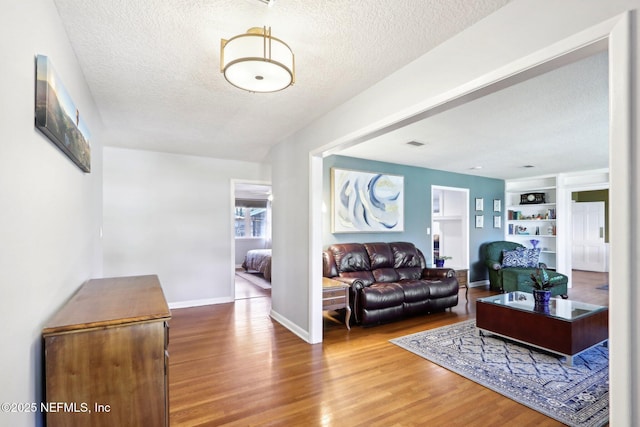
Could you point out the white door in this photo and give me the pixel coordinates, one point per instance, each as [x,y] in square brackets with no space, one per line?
[450,223]
[589,250]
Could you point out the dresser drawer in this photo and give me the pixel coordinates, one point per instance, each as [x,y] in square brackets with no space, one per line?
[338,301]
[333,293]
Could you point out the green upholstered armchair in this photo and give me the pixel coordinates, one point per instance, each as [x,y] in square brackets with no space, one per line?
[510,279]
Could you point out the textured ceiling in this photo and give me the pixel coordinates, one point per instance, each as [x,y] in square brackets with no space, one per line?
[153,65]
[556,122]
[153,69]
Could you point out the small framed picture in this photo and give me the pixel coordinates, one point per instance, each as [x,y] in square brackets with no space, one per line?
[479,204]
[479,221]
[497,205]
[497,221]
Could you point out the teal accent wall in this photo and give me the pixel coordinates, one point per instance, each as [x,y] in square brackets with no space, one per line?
[417,187]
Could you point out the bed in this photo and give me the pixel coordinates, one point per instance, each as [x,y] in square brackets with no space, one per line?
[258,260]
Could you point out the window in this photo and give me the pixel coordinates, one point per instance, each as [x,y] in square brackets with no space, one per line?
[251,218]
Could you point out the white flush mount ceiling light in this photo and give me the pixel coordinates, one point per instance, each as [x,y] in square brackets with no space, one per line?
[257,62]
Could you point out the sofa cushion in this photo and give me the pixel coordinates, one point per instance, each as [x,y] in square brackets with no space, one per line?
[386,275]
[415,290]
[531,257]
[350,257]
[405,255]
[521,258]
[366,277]
[409,273]
[382,295]
[380,255]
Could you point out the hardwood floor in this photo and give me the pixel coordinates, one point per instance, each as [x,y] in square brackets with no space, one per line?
[245,289]
[231,364]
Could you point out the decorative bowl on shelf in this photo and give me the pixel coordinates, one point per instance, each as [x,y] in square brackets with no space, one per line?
[534,243]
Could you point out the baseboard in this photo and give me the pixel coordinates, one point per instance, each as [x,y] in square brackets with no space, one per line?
[200,302]
[479,283]
[301,333]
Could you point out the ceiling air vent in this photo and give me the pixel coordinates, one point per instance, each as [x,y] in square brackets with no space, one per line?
[415,143]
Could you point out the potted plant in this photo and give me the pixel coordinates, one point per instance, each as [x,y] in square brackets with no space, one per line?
[541,286]
[440,260]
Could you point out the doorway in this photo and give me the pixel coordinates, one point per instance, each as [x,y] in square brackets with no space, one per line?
[252,232]
[590,237]
[450,225]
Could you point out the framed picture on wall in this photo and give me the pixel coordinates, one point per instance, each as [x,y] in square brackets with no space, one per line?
[497,221]
[366,202]
[479,204]
[479,221]
[57,117]
[497,205]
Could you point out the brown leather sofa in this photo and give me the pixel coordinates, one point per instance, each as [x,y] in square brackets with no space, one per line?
[389,281]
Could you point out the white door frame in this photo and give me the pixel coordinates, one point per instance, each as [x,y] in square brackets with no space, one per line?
[600,264]
[232,218]
[464,225]
[620,35]
[563,198]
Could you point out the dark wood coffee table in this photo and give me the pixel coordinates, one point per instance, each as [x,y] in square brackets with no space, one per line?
[568,328]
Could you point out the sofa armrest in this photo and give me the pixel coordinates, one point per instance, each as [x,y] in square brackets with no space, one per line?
[493,264]
[355,283]
[437,273]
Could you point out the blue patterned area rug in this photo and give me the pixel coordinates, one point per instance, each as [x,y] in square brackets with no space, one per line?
[575,395]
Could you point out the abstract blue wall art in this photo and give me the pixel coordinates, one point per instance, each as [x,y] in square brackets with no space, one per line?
[366,202]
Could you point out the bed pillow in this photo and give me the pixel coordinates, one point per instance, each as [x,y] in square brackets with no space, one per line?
[521,257]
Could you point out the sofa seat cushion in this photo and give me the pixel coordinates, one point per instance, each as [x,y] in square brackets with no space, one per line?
[383,315]
[382,295]
[443,288]
[415,290]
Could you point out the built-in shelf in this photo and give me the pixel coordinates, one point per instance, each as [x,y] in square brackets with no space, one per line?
[524,220]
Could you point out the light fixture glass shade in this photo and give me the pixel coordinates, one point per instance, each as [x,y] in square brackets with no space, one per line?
[257,62]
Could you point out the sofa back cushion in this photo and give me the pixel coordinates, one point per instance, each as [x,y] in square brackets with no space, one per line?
[366,277]
[380,255]
[350,257]
[405,255]
[407,260]
[374,262]
[386,275]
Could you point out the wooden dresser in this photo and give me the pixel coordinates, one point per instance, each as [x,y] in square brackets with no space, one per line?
[106,357]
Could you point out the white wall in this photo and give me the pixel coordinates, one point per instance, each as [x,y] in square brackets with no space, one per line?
[244,245]
[171,215]
[50,211]
[519,35]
